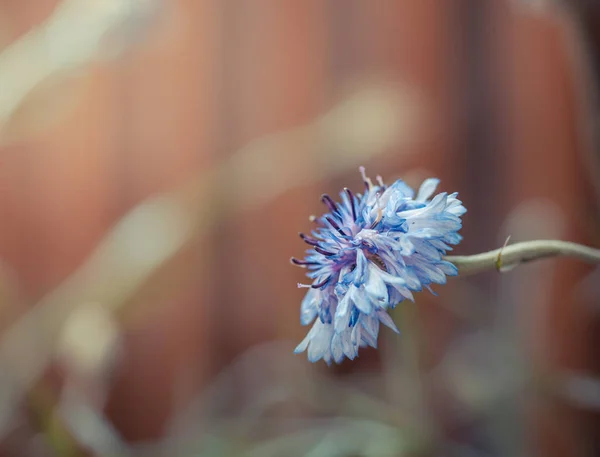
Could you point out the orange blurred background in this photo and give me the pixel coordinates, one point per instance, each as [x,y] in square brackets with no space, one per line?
[259,107]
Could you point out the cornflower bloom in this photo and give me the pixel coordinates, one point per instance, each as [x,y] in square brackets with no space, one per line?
[369,253]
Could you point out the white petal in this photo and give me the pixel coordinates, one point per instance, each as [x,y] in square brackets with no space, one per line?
[400,187]
[361,264]
[360,299]
[309,308]
[431,272]
[441,225]
[387,321]
[438,203]
[368,339]
[342,314]
[448,268]
[321,341]
[304,344]
[427,189]
[371,325]
[336,348]
[349,349]
[427,250]
[375,286]
[406,246]
[405,292]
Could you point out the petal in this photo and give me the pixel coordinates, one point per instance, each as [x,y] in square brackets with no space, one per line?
[406,246]
[349,349]
[386,320]
[427,272]
[394,196]
[368,339]
[438,203]
[336,349]
[371,325]
[360,299]
[375,286]
[309,307]
[439,244]
[404,291]
[342,314]
[448,268]
[427,189]
[441,225]
[399,283]
[355,336]
[361,266]
[304,344]
[320,344]
[427,250]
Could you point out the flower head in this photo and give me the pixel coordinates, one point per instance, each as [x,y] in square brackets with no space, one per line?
[369,253]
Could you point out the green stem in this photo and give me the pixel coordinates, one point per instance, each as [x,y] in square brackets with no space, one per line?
[516,254]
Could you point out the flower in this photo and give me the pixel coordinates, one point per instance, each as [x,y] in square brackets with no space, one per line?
[369,253]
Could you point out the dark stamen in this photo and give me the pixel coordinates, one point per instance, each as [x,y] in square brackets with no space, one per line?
[323,251]
[301,263]
[351,197]
[320,284]
[326,199]
[335,226]
[377,261]
[375,222]
[309,239]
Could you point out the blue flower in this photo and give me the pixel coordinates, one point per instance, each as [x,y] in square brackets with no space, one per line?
[369,253]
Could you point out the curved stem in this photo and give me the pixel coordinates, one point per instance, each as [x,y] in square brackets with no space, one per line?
[511,256]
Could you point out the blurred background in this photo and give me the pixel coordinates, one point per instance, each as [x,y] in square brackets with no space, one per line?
[159,157]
